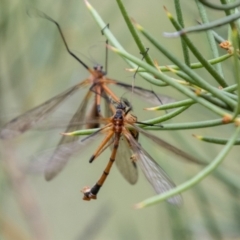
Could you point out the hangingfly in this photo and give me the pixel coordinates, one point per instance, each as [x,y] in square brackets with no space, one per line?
[121,134]
[98,86]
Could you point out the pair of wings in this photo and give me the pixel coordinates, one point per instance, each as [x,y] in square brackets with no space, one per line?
[38,114]
[35,116]
[55,161]
[128,148]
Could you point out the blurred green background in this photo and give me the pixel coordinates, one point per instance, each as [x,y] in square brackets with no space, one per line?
[35,66]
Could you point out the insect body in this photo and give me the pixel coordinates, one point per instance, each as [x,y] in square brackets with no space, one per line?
[98,86]
[121,126]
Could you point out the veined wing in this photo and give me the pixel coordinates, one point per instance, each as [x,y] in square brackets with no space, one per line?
[147,95]
[168,146]
[54,166]
[123,161]
[44,162]
[92,119]
[29,119]
[152,171]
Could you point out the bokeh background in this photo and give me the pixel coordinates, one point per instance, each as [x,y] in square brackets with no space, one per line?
[35,66]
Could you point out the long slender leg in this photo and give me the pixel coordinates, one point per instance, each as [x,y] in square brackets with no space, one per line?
[91,193]
[97,89]
[109,92]
[104,142]
[143,56]
[106,54]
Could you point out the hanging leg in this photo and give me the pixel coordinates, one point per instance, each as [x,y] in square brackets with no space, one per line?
[91,193]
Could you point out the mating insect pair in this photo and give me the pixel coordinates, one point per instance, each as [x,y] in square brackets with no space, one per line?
[116,129]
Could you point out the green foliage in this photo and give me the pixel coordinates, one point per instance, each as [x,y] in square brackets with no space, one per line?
[35,66]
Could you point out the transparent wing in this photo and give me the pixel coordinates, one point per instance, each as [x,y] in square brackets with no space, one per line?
[124,163]
[55,165]
[93,118]
[44,162]
[147,95]
[152,171]
[29,119]
[169,147]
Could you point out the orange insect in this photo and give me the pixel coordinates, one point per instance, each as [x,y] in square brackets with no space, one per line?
[98,86]
[121,134]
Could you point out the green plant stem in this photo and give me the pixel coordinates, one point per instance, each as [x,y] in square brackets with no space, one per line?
[187,125]
[181,22]
[165,117]
[224,7]
[199,80]
[217,37]
[115,43]
[210,37]
[151,79]
[204,27]
[231,95]
[216,102]
[221,141]
[163,127]
[176,85]
[236,68]
[112,39]
[224,3]
[197,65]
[197,178]
[198,55]
[134,33]
[229,13]
[185,77]
[185,102]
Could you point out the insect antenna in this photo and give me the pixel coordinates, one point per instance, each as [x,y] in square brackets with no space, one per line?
[106,51]
[38,13]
